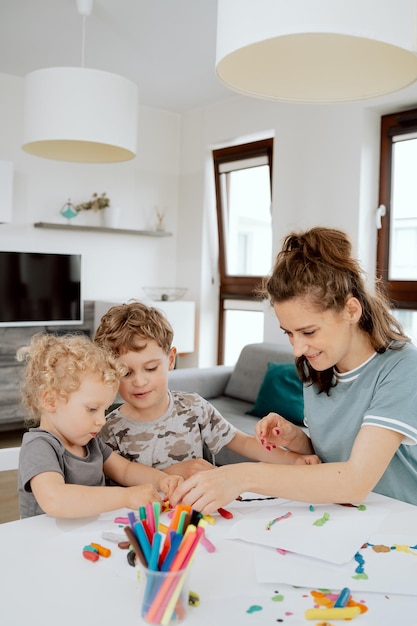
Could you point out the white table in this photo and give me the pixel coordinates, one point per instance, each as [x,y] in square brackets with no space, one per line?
[45,580]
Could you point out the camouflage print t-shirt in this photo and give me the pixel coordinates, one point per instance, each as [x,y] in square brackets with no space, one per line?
[178,435]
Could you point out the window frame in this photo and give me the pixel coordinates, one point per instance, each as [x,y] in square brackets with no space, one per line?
[235,287]
[403,293]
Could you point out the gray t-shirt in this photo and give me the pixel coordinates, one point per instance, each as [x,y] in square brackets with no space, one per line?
[43,452]
[179,435]
[382,392]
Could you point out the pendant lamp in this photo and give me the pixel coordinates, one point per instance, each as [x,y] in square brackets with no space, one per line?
[316,51]
[80,114]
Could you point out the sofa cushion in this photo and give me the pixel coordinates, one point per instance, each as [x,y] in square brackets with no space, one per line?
[281,392]
[236,412]
[246,378]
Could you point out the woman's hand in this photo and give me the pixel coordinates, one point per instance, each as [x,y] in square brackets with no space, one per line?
[209,490]
[275,431]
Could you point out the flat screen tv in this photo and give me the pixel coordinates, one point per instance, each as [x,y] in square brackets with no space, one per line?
[38,289]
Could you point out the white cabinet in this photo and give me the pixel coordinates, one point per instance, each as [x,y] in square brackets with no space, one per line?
[180,314]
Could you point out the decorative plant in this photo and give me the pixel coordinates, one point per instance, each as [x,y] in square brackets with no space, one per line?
[160,216]
[95,204]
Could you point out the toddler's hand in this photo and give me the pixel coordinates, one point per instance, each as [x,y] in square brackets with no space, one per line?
[273,431]
[141,495]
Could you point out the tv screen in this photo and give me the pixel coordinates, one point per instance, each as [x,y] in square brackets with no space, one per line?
[38,289]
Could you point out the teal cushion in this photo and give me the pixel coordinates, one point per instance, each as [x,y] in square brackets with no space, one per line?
[281,392]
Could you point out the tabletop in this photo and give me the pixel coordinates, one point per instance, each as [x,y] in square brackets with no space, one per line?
[46,580]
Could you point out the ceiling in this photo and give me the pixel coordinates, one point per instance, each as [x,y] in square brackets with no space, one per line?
[167,47]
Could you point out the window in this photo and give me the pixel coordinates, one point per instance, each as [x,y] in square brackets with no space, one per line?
[397,237]
[243,198]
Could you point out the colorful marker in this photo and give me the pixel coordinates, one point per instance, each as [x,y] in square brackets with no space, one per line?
[132,519]
[207,544]
[143,540]
[342,599]
[154,555]
[168,559]
[136,546]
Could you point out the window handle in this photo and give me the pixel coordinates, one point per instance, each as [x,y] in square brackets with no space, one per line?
[380,212]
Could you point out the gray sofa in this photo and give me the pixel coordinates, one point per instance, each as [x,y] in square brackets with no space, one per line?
[233,390]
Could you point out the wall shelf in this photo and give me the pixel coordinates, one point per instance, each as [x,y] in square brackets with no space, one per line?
[103,229]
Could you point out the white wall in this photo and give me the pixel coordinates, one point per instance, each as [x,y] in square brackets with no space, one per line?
[114,266]
[325,172]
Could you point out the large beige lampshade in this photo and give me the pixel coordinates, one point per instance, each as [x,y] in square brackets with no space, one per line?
[316,50]
[80,114]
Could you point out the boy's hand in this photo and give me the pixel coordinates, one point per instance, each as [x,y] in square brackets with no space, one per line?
[188,468]
[168,484]
[306,459]
[273,431]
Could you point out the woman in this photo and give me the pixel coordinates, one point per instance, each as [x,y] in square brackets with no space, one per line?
[360,395]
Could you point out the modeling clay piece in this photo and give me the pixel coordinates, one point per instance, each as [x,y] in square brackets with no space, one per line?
[254,608]
[322,520]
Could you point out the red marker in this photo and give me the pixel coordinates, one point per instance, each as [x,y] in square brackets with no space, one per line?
[225,514]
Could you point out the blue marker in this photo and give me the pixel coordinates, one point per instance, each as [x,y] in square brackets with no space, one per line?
[153,559]
[143,540]
[342,599]
[176,539]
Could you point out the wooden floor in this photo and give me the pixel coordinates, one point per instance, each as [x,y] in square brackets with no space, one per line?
[9,509]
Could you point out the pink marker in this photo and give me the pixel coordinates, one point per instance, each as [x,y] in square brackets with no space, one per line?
[210,547]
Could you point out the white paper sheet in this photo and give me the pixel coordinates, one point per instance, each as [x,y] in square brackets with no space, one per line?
[335,540]
[393,571]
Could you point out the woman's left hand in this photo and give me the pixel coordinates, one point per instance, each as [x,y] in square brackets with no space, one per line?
[209,490]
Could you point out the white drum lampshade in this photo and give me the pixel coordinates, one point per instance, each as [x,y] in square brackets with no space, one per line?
[316,50]
[80,114]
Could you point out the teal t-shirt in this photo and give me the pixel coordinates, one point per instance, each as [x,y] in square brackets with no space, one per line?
[381,392]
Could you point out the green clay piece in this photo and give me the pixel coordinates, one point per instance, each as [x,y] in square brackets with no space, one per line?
[361,507]
[254,608]
[90,549]
[322,520]
[360,577]
[278,598]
